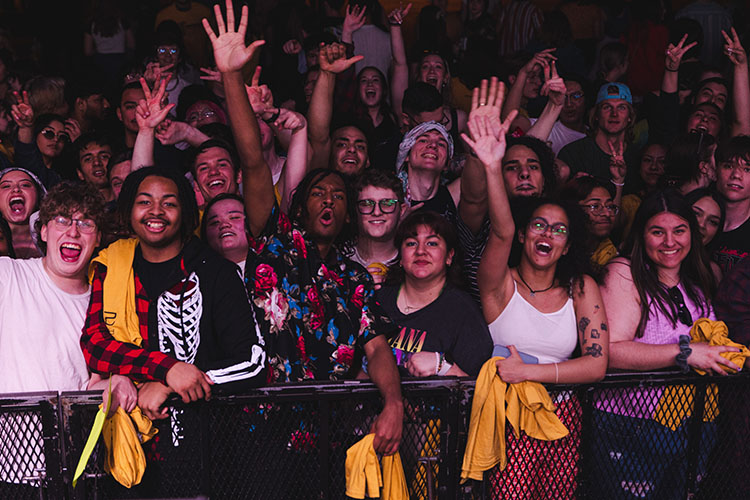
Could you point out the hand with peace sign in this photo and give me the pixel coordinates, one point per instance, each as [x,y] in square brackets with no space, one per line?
[675,54]
[152,110]
[259,95]
[230,52]
[617,166]
[554,86]
[734,49]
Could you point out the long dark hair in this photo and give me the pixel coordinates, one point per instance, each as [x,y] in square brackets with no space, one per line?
[698,194]
[695,271]
[443,228]
[572,266]
[685,156]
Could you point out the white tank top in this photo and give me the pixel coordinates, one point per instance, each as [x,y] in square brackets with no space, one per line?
[551,337]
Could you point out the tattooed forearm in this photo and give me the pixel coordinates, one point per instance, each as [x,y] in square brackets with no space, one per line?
[595,333]
[603,327]
[594,350]
[583,323]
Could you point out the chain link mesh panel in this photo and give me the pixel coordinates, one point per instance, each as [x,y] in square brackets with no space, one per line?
[631,437]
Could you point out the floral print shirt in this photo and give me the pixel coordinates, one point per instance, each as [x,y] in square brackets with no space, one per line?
[313,315]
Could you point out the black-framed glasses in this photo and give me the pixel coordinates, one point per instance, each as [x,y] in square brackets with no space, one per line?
[675,294]
[597,208]
[51,135]
[539,225]
[167,50]
[386,205]
[86,226]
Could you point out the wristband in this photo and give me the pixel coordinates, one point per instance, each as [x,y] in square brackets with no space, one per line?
[444,369]
[438,362]
[274,116]
[685,352]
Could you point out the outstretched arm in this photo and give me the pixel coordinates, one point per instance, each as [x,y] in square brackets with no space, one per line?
[382,369]
[513,101]
[400,68]
[231,55]
[23,115]
[494,279]
[295,167]
[486,101]
[740,84]
[332,60]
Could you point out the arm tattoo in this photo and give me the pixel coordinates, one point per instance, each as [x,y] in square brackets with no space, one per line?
[595,333]
[583,323]
[594,350]
[603,327]
[596,308]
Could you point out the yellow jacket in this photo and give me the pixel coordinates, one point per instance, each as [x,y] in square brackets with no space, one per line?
[526,405]
[676,403]
[363,473]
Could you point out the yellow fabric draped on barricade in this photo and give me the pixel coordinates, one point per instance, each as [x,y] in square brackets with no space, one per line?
[123,433]
[526,405]
[676,402]
[363,473]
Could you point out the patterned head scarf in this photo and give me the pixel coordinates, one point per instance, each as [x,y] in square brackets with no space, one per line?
[408,142]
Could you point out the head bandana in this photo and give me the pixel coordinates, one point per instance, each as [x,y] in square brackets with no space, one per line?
[408,142]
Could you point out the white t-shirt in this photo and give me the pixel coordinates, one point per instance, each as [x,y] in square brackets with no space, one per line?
[40,331]
[560,135]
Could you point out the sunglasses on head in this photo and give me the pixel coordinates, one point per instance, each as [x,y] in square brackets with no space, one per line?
[682,311]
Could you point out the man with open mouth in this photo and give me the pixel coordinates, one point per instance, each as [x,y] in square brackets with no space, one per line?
[94,150]
[315,307]
[43,304]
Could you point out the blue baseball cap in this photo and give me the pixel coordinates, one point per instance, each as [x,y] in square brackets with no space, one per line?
[614,91]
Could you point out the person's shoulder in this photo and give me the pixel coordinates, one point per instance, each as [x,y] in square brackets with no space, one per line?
[619,267]
[577,146]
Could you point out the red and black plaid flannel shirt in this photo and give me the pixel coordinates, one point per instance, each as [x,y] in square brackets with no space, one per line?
[105,355]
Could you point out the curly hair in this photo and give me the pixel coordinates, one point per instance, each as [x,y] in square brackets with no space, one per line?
[546,158]
[67,198]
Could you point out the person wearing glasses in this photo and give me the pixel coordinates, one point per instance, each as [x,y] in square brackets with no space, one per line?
[440,328]
[652,295]
[541,310]
[380,207]
[597,199]
[171,59]
[41,140]
[43,305]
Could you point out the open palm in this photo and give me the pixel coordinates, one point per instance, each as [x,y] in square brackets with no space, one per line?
[230,52]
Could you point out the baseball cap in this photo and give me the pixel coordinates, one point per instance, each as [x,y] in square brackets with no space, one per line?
[614,91]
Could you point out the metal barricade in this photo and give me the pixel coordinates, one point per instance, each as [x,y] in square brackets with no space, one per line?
[652,436]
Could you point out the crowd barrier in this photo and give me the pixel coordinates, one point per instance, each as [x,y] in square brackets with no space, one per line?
[290,442]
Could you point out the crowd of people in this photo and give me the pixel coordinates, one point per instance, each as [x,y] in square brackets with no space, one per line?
[572,186]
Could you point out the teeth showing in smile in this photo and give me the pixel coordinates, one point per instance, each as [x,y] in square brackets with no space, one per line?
[155,224]
[216,183]
[669,252]
[544,247]
[70,251]
[226,234]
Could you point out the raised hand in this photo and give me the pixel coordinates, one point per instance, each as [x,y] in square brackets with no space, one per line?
[487,99]
[73,129]
[154,72]
[260,96]
[230,51]
[617,166]
[554,86]
[734,49]
[676,52]
[21,111]
[354,20]
[211,75]
[292,47]
[151,111]
[488,139]
[396,16]
[332,58]
[289,120]
[542,58]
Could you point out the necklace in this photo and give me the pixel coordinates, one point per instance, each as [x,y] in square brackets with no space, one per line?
[534,292]
[407,307]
